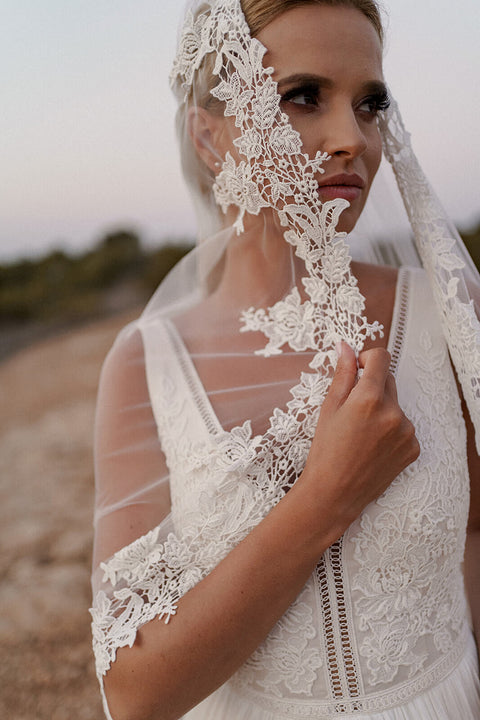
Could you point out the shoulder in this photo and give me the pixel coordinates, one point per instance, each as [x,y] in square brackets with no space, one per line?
[125,362]
[123,380]
[122,387]
[122,359]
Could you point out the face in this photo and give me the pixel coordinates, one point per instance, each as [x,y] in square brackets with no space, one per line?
[328,66]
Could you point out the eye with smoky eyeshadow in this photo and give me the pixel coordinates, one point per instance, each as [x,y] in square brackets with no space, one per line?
[308,92]
[376,102]
[305,93]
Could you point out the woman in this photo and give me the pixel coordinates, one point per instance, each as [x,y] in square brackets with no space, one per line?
[306,551]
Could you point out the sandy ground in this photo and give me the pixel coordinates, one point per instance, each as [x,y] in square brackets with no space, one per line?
[47,399]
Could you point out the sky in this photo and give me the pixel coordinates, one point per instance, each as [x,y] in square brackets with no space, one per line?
[86,122]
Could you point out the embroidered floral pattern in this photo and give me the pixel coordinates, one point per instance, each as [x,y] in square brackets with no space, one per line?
[409,550]
[435,241]
[407,587]
[287,659]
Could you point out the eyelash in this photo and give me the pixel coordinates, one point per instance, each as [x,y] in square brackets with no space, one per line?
[311,91]
[378,101]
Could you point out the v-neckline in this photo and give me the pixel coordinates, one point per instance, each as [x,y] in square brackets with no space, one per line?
[198,391]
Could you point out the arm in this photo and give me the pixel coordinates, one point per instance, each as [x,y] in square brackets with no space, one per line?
[363,441]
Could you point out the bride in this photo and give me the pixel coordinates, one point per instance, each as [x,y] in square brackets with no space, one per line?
[282,454]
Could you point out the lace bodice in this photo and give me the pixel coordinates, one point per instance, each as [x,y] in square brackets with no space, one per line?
[384,615]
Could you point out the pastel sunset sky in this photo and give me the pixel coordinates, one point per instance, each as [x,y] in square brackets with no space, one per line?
[86,125]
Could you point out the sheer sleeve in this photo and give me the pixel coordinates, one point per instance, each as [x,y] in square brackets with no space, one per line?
[132,507]
[158,535]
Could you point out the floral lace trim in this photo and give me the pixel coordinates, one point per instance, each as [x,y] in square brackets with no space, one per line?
[284,661]
[436,244]
[375,702]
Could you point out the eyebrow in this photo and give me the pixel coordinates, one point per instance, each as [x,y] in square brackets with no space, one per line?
[305,78]
[373,87]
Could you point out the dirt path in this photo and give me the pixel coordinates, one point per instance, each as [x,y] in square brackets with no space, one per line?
[47,399]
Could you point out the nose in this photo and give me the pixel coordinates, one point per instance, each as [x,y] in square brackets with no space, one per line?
[343,135]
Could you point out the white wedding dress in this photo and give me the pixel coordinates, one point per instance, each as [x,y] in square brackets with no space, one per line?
[381,629]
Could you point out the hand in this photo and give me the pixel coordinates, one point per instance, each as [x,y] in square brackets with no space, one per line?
[363,439]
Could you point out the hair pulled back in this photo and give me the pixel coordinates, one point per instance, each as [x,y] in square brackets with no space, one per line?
[259,13]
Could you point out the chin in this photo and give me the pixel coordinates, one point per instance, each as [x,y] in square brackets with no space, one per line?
[347,220]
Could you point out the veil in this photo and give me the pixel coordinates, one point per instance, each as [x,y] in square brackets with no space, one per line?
[208,403]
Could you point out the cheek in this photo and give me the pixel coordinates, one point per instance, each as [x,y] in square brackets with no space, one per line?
[374,154]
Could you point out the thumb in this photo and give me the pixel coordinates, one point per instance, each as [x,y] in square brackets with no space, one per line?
[345,377]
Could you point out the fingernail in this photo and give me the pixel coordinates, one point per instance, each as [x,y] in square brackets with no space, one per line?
[339,349]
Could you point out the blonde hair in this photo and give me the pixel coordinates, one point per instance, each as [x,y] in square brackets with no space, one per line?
[259,13]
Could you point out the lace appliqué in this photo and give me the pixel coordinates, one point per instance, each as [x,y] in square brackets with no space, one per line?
[286,660]
[434,237]
[276,173]
[410,545]
[239,477]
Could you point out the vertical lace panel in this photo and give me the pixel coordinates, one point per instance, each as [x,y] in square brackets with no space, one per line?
[399,322]
[341,660]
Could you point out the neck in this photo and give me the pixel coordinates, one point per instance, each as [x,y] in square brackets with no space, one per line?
[260,266]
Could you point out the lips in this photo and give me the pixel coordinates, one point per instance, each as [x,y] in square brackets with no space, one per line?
[346,186]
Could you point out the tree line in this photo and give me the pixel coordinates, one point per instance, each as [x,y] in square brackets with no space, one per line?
[65,288]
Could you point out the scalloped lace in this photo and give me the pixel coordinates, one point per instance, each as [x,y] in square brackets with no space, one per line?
[436,244]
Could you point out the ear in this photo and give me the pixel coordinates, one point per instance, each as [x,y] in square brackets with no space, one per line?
[204,129]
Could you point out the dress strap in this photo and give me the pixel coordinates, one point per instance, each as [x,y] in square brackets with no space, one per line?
[173,381]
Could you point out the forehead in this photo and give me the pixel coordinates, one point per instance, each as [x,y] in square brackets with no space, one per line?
[338,42]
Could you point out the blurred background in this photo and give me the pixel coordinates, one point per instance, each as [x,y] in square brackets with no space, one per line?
[93,213]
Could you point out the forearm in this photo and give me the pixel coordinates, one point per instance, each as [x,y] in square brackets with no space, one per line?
[221,621]
[472,579]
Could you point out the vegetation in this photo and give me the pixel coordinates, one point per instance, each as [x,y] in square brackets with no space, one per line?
[65,288]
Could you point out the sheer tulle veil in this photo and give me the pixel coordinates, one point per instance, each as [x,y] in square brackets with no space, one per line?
[257,308]
[403,222]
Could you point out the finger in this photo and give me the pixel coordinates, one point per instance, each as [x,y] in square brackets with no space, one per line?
[376,366]
[391,387]
[344,379]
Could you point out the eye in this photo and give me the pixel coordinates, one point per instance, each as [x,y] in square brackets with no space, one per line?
[306,96]
[374,104]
